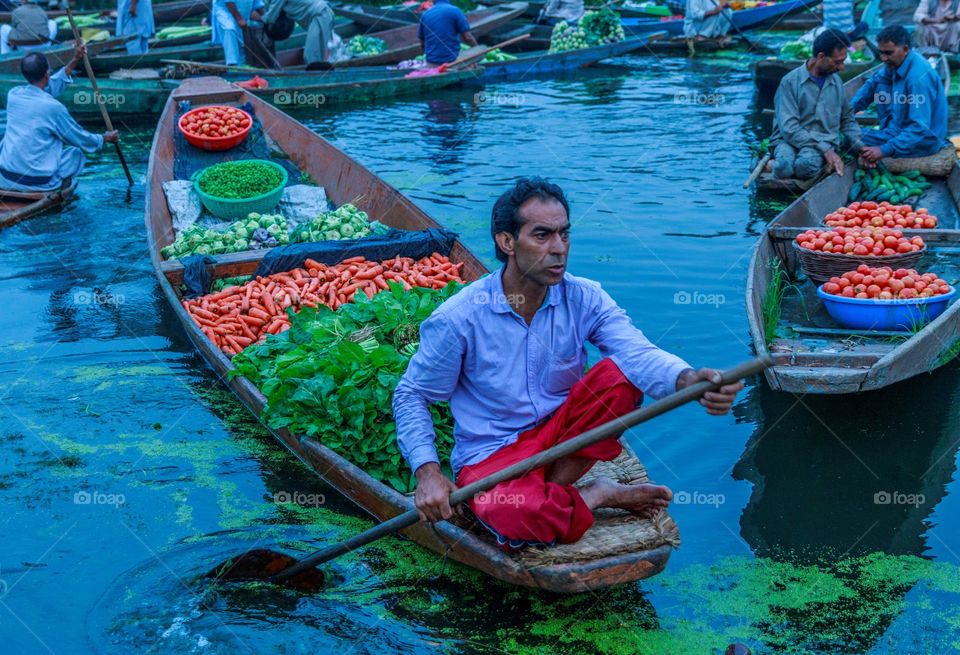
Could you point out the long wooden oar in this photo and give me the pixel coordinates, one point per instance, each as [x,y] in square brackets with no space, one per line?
[96,94]
[759,169]
[479,52]
[278,568]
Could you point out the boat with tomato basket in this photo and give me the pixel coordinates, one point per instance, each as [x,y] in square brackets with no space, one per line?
[619,548]
[800,312]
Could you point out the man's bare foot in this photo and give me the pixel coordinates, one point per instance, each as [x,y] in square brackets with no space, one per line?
[643,499]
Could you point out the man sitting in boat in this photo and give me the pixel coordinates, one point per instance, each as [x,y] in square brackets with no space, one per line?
[441,28]
[911,102]
[707,19]
[508,353]
[938,24]
[811,111]
[229,19]
[135,21]
[315,17]
[555,11]
[43,146]
[29,29]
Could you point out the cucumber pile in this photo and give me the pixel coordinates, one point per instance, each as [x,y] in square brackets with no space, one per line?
[879,184]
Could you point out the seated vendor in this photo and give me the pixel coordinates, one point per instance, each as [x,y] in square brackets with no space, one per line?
[508,354]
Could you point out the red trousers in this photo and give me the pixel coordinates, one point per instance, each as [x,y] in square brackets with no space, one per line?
[531,509]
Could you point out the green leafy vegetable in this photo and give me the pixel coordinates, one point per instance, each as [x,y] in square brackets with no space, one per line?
[332,376]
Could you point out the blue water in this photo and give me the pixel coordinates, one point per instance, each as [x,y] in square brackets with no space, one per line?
[127,471]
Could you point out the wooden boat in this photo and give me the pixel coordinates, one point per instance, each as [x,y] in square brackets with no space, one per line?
[819,356]
[16,206]
[164,12]
[146,97]
[620,556]
[744,19]
[403,43]
[529,64]
[57,57]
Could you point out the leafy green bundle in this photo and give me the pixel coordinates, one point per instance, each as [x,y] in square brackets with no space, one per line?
[239,179]
[332,375]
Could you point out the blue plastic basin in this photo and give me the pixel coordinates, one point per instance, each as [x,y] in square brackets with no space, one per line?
[873,314]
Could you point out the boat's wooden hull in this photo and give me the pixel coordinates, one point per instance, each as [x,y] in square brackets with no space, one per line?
[745,19]
[347,181]
[146,98]
[16,207]
[164,12]
[830,360]
[57,57]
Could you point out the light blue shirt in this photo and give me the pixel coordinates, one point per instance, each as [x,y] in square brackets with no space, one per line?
[502,376]
[141,25]
[38,128]
[222,20]
[912,107]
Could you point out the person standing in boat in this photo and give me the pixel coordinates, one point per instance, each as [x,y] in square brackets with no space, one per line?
[315,17]
[440,31]
[911,102]
[29,30]
[555,11]
[938,24]
[43,146]
[508,353]
[707,19]
[135,21]
[811,112]
[228,20]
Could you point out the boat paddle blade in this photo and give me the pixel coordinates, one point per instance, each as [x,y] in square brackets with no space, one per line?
[263,564]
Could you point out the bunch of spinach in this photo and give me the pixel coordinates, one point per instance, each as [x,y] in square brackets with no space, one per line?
[332,375]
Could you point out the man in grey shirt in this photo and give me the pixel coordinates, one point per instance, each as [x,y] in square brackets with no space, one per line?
[811,111]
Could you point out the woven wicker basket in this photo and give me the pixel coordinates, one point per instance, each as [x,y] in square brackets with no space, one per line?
[821,266]
[938,164]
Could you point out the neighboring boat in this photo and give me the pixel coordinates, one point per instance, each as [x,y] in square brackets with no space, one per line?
[146,97]
[16,206]
[619,549]
[403,42]
[812,353]
[164,12]
[57,57]
[744,19]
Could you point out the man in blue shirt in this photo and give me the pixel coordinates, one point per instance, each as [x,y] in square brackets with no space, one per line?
[508,353]
[441,28]
[911,102]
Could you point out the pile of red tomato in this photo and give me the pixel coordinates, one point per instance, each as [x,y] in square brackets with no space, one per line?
[216,121]
[883,214]
[884,283]
[866,241]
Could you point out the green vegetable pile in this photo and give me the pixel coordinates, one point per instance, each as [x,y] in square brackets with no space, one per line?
[222,283]
[594,28]
[880,184]
[364,46]
[84,20]
[332,376]
[175,32]
[345,222]
[235,180]
[253,233]
[796,50]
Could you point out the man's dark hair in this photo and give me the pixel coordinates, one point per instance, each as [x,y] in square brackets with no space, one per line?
[34,66]
[506,211]
[896,34]
[829,41]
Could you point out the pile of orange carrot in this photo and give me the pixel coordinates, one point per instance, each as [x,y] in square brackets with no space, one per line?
[242,315]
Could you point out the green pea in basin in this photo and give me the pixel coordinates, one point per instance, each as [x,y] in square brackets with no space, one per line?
[236,180]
